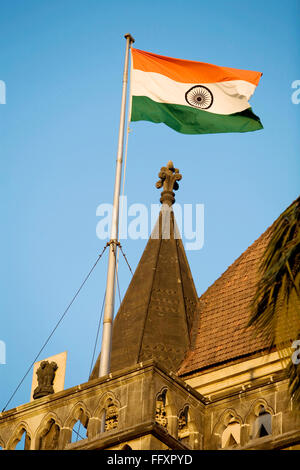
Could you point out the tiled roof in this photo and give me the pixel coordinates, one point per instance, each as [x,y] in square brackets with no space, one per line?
[220,332]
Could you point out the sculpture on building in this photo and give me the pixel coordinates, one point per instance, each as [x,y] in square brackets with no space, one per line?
[45,376]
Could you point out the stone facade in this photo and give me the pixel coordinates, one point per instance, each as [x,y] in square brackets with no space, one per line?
[151,408]
[132,399]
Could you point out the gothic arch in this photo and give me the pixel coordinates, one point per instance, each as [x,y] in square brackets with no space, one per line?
[227,430]
[195,438]
[254,408]
[161,415]
[186,426]
[165,408]
[108,405]
[102,402]
[78,412]
[255,414]
[17,436]
[50,422]
[224,419]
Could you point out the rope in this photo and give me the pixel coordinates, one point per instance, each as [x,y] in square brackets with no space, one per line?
[54,329]
[126,329]
[77,434]
[95,345]
[126,259]
[97,335]
[92,361]
[99,326]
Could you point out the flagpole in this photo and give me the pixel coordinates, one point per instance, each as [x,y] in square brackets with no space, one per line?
[111,270]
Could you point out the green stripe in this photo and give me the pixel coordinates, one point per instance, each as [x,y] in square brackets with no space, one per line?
[190,120]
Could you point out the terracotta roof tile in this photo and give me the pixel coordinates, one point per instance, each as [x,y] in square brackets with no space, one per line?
[223,312]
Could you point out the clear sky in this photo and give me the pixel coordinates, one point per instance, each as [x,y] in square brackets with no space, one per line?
[62,63]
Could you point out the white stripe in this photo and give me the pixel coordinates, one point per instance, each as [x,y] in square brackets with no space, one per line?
[228,97]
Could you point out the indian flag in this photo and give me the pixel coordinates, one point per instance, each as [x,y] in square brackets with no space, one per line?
[192,97]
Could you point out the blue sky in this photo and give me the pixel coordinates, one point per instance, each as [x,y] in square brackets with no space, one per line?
[62,62]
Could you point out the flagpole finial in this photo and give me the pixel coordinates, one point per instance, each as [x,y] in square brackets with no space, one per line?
[169,177]
[131,39]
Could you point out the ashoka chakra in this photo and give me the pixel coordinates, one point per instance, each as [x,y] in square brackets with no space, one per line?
[200,97]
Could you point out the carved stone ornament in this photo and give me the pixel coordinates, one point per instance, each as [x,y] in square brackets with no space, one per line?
[160,411]
[45,376]
[183,424]
[182,420]
[111,416]
[169,177]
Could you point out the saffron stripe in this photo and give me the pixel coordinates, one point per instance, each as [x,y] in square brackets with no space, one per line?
[188,71]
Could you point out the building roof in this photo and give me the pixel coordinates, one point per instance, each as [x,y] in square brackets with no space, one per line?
[156,315]
[221,333]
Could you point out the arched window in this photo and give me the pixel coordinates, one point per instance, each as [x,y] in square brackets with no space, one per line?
[262,425]
[20,445]
[183,421]
[160,411]
[231,436]
[79,431]
[22,440]
[76,425]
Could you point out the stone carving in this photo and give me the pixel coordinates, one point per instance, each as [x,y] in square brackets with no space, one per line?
[183,423]
[169,177]
[50,436]
[160,412]
[111,415]
[45,376]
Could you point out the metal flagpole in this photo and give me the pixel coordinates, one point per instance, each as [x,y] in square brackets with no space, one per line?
[110,283]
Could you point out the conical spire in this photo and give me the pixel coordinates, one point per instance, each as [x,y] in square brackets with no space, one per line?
[156,315]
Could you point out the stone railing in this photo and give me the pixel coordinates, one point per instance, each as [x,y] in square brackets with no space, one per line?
[114,410]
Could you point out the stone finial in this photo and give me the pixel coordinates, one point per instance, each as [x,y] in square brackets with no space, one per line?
[168,181]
